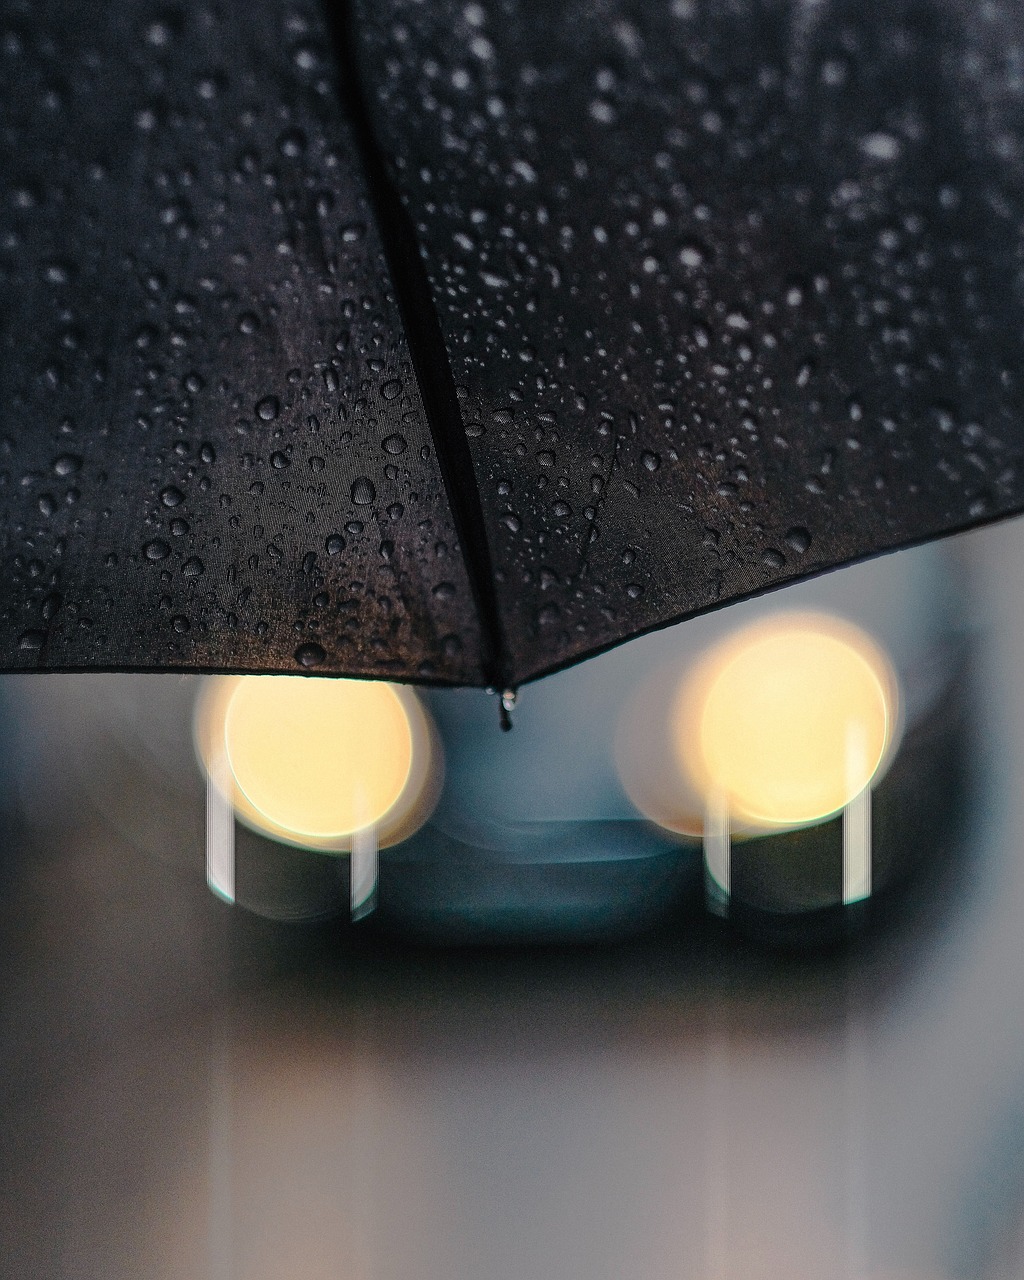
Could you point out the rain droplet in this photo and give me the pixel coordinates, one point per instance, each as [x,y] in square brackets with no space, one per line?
[652,461]
[391,389]
[156,550]
[159,33]
[881,146]
[692,254]
[171,497]
[292,144]
[67,464]
[798,538]
[444,591]
[394,445]
[47,504]
[363,492]
[773,559]
[279,460]
[193,567]
[57,272]
[32,640]
[335,544]
[310,654]
[268,408]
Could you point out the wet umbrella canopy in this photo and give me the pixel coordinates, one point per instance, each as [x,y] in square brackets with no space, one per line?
[456,342]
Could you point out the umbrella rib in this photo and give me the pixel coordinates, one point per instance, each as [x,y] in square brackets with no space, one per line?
[426,346]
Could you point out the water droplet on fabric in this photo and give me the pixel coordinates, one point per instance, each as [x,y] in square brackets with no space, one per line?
[692,254]
[798,539]
[310,654]
[881,146]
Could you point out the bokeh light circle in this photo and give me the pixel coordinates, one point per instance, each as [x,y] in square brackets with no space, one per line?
[322,758]
[310,761]
[788,719]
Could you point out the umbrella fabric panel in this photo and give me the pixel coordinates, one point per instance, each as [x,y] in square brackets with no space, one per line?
[213,452]
[732,292]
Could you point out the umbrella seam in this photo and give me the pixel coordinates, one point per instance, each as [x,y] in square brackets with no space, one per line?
[426,345]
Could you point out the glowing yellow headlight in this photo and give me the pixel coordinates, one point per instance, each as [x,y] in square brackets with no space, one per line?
[788,720]
[783,723]
[312,761]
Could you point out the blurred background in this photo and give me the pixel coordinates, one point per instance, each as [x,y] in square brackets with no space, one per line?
[534,1065]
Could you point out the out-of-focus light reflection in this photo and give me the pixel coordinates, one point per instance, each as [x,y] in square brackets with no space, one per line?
[789,719]
[318,762]
[322,759]
[783,723]
[220,825]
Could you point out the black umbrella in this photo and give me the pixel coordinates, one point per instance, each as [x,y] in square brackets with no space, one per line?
[457,342]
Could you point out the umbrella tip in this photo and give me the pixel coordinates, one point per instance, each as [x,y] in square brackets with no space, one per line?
[508,701]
